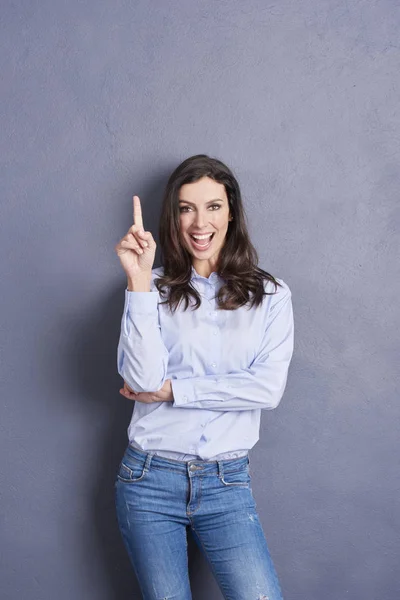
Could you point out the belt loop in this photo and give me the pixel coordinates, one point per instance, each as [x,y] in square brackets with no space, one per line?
[148,461]
[220,469]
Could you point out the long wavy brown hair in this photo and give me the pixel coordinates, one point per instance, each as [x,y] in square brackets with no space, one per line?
[243,280]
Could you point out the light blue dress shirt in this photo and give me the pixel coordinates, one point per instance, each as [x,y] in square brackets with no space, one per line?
[225,367]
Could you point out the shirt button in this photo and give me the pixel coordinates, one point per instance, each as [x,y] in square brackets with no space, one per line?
[215,331]
[213,365]
[185,398]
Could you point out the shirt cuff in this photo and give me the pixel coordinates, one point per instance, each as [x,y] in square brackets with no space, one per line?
[141,303]
[183,391]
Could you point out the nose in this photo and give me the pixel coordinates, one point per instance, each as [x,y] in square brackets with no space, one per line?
[200,219]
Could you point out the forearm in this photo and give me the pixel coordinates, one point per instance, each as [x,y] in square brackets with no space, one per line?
[142,284]
[142,357]
[248,389]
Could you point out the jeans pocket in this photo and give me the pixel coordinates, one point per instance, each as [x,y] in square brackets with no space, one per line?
[236,478]
[131,471]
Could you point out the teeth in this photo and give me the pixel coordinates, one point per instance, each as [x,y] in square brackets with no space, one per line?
[202,237]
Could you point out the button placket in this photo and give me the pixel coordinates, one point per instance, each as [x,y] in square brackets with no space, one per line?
[213,364]
[214,316]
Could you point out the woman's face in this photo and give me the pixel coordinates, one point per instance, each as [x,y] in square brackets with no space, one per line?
[204,218]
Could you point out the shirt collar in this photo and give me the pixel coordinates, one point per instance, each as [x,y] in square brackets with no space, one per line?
[211,279]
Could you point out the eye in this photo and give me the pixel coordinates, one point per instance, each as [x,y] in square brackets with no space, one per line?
[215,206]
[183,209]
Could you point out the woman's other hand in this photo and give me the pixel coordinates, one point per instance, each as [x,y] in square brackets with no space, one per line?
[136,250]
[163,395]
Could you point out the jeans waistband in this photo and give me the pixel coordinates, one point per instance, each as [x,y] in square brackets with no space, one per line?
[199,466]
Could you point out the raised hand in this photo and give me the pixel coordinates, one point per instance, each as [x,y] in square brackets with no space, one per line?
[136,250]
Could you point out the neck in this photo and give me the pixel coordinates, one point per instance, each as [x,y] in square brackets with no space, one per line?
[204,267]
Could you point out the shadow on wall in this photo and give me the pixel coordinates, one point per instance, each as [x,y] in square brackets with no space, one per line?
[94,369]
[99,383]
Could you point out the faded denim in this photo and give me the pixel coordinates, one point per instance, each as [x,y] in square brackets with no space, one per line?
[158,499]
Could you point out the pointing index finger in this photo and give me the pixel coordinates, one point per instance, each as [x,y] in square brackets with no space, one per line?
[137,212]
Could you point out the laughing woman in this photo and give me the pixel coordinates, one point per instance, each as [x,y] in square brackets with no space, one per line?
[205,345]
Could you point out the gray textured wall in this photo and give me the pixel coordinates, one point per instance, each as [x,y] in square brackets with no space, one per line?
[100,101]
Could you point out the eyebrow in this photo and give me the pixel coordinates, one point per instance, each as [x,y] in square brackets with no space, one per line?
[209,201]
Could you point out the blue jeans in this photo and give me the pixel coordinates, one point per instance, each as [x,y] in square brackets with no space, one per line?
[157,499]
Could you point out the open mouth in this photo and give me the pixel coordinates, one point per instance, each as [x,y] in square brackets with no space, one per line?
[202,242]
